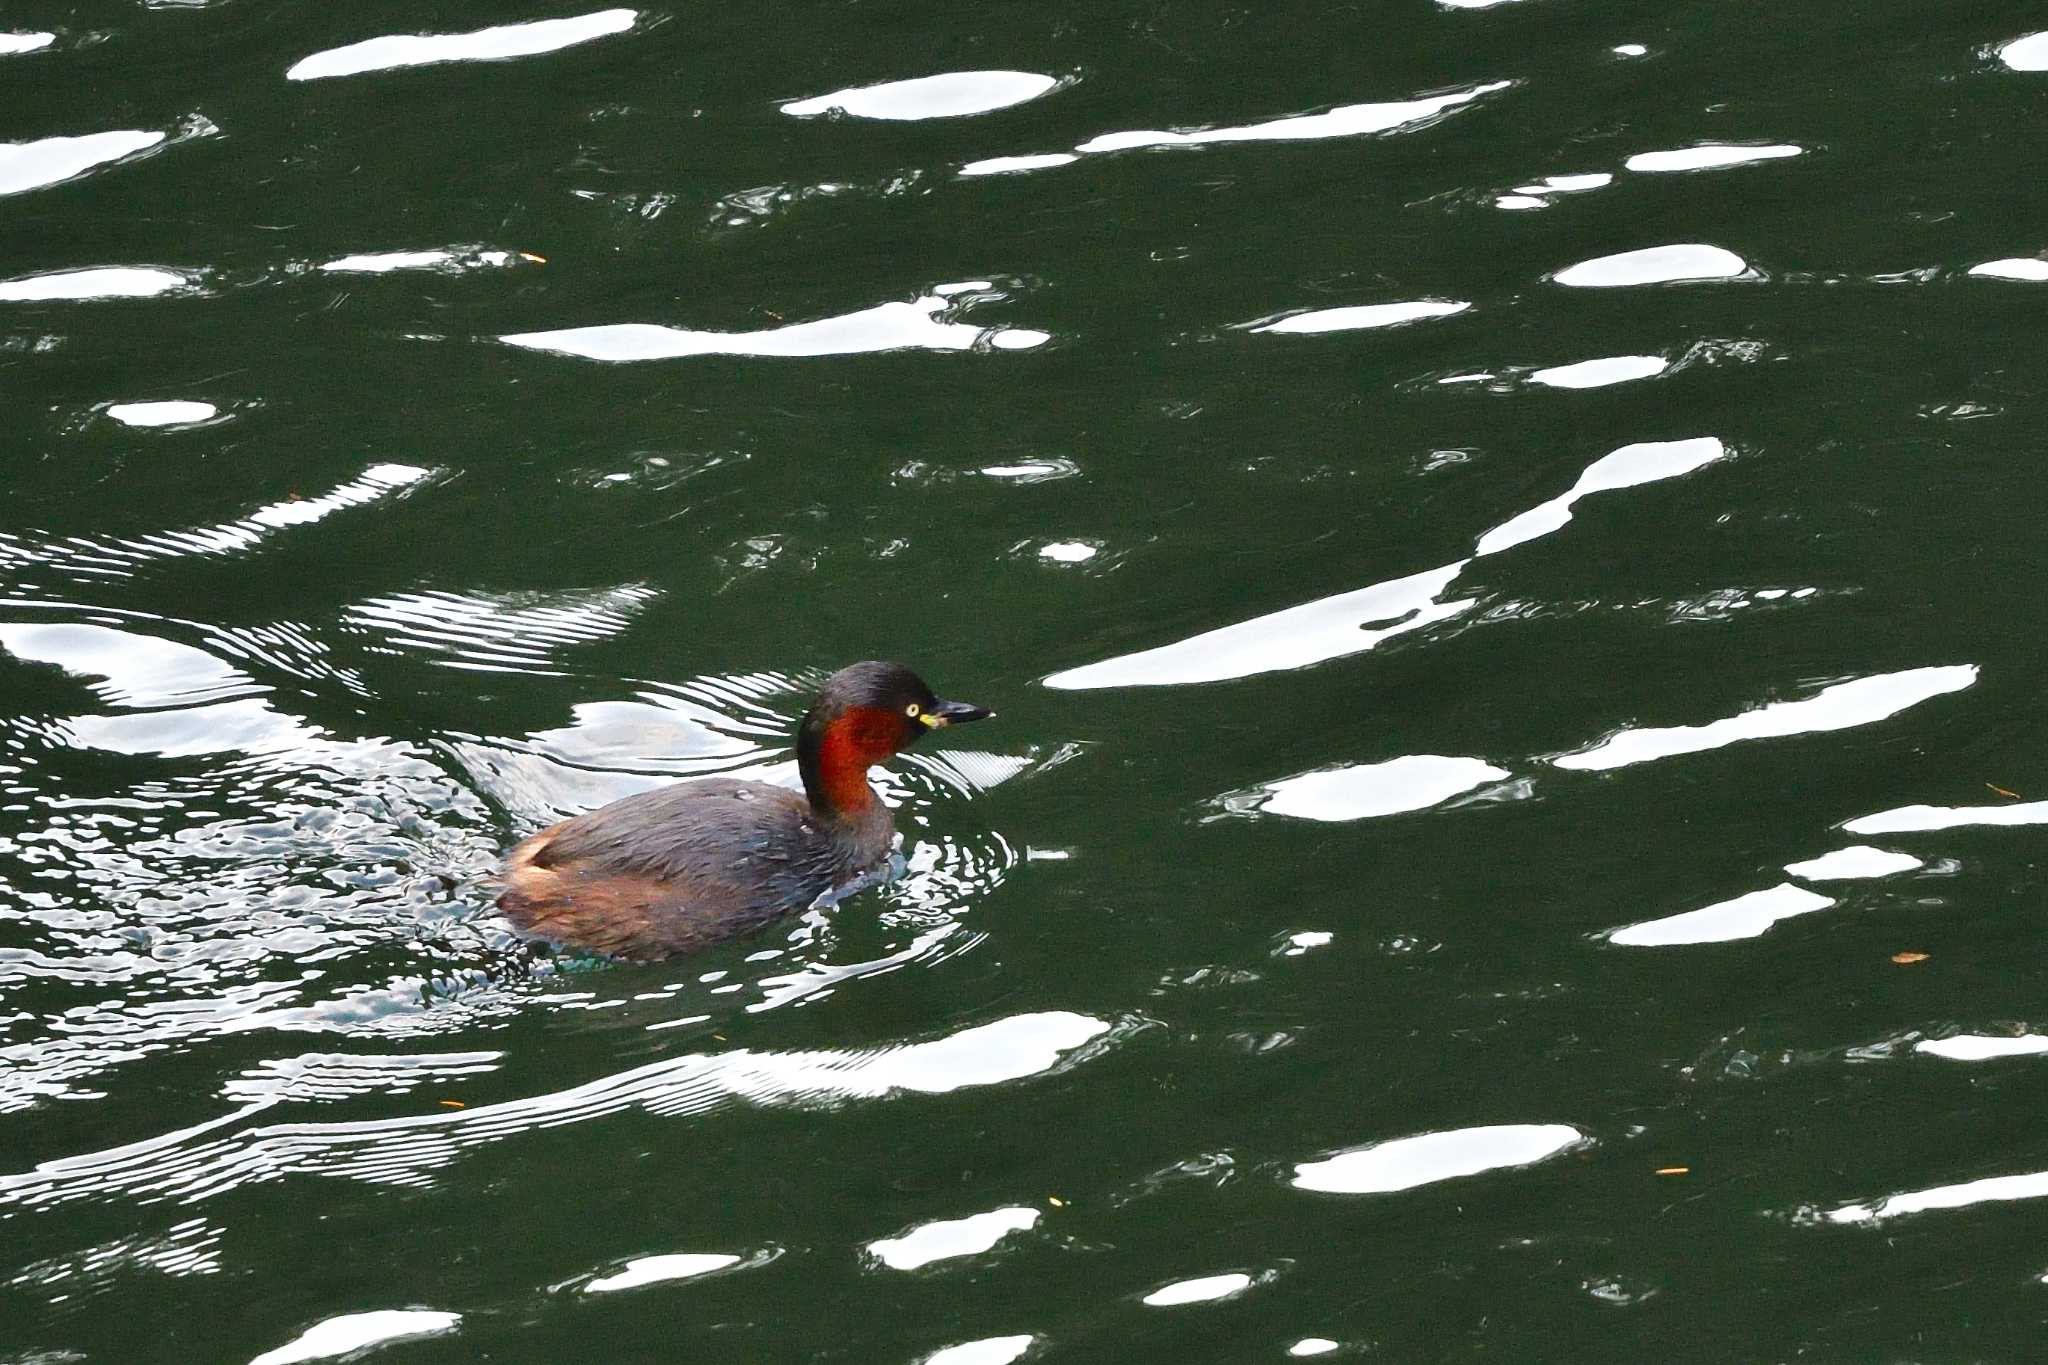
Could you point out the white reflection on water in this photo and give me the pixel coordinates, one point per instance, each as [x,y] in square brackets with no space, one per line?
[2026,54]
[1350,120]
[1644,462]
[1598,374]
[99,282]
[1405,1163]
[1842,706]
[1978,1047]
[1919,819]
[1356,621]
[1006,165]
[174,694]
[438,258]
[648,1270]
[1294,638]
[1540,194]
[1363,791]
[915,325]
[2030,269]
[1069,551]
[1854,864]
[1709,156]
[950,1238]
[1744,917]
[1208,1289]
[1675,264]
[950,95]
[484,45]
[13,44]
[1358,318]
[170,413]
[30,165]
[193,1163]
[357,1331]
[130,669]
[1994,1190]
[1312,1346]
[987,1351]
[1306,940]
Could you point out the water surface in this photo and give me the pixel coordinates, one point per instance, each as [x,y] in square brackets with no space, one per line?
[1502,535]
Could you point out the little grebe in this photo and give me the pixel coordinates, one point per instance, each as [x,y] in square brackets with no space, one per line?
[686,866]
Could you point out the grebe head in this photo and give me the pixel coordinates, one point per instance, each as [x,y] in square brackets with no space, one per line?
[864,714]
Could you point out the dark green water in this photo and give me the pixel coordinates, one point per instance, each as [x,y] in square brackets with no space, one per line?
[1375,886]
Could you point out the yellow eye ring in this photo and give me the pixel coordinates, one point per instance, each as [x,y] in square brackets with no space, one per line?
[912,710]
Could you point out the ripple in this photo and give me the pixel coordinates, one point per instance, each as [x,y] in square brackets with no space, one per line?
[1598,374]
[952,1238]
[915,325]
[99,282]
[14,44]
[31,165]
[1744,917]
[188,1248]
[1350,120]
[2030,269]
[1977,1047]
[646,1270]
[358,1331]
[170,413]
[1406,1163]
[518,632]
[1675,264]
[1358,318]
[2026,54]
[987,1351]
[1710,156]
[95,558]
[483,45]
[1840,706]
[86,557]
[1208,1289]
[1921,819]
[953,94]
[1854,864]
[193,1164]
[1628,467]
[1368,790]
[331,1076]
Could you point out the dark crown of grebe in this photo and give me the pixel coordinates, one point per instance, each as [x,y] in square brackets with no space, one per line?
[865,713]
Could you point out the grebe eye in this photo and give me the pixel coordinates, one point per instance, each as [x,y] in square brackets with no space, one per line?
[912,710]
